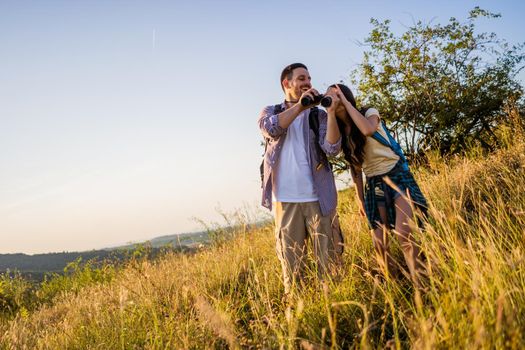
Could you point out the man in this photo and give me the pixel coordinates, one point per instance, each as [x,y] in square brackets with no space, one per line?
[297,173]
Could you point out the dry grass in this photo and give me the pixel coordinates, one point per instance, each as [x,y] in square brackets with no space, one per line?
[231,296]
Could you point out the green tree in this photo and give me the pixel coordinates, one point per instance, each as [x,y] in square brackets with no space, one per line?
[440,85]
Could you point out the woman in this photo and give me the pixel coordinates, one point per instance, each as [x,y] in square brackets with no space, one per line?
[390,187]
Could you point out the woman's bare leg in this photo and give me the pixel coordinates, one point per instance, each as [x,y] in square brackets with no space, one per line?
[404,233]
[381,246]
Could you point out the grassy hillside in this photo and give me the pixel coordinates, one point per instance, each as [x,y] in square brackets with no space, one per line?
[231,295]
[181,240]
[37,267]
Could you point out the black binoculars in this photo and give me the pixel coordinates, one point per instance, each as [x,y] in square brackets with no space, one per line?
[326,101]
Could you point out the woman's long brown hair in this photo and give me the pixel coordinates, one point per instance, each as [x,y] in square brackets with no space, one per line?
[353,143]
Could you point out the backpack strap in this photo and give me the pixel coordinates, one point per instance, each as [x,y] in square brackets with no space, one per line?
[390,143]
[313,121]
[278,108]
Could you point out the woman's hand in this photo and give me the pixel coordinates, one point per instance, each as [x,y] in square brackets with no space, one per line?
[340,94]
[335,103]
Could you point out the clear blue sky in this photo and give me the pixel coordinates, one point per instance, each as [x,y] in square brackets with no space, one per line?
[122,120]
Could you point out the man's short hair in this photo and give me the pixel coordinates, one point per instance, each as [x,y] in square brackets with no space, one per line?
[287,72]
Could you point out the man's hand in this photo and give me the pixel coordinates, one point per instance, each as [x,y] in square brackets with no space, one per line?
[310,93]
[288,116]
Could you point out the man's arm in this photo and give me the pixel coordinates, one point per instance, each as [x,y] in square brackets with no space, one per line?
[269,123]
[288,116]
[274,125]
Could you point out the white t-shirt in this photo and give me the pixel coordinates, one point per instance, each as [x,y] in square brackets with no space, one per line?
[292,177]
[378,158]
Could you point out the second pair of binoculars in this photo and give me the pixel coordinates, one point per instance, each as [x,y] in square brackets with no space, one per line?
[326,101]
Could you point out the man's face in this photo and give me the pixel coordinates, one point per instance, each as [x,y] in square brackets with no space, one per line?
[300,82]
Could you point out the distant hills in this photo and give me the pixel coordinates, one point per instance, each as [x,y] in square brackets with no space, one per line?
[36,266]
[189,240]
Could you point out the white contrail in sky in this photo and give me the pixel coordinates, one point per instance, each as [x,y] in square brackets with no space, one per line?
[153,40]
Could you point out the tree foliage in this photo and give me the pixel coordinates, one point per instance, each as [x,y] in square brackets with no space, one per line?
[440,86]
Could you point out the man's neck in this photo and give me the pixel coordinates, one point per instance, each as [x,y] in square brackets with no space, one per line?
[290,100]
[289,103]
[291,97]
